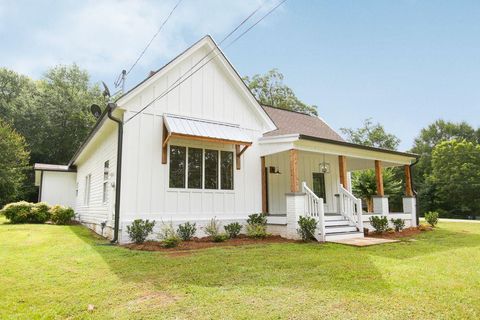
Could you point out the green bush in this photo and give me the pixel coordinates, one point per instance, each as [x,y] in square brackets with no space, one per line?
[169,237]
[212,228]
[399,224]
[380,224]
[187,230]
[432,218]
[257,225]
[220,237]
[61,215]
[139,230]
[21,212]
[233,229]
[308,227]
[41,211]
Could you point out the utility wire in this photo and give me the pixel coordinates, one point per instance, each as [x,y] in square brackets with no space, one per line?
[149,43]
[177,83]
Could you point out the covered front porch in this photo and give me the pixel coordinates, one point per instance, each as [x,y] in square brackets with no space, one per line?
[311,177]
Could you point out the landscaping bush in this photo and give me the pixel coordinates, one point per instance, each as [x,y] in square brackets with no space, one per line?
[41,212]
[139,230]
[220,237]
[61,215]
[20,212]
[432,218]
[257,225]
[380,224]
[398,224]
[212,228]
[233,229]
[187,230]
[308,227]
[169,237]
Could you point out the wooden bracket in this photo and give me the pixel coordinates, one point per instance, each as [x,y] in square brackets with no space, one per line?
[239,153]
[165,138]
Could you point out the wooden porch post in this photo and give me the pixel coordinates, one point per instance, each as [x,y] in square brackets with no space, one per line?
[164,144]
[342,167]
[379,178]
[264,185]
[408,182]
[294,186]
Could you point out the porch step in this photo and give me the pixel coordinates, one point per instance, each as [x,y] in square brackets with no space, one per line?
[333,217]
[339,229]
[343,235]
[334,223]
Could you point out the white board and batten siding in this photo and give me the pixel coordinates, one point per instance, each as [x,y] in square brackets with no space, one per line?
[209,94]
[92,163]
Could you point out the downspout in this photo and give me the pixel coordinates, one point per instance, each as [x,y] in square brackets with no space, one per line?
[111,107]
[417,216]
[40,188]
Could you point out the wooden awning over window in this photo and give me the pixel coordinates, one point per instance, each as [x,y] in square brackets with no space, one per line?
[205,130]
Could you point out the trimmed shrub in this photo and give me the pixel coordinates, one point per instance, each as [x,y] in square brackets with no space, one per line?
[139,230]
[169,237]
[257,225]
[432,218]
[19,212]
[212,228]
[398,224]
[41,211]
[187,230]
[233,229]
[220,237]
[257,218]
[308,226]
[61,215]
[380,224]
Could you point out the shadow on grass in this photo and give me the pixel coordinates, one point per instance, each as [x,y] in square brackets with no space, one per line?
[286,265]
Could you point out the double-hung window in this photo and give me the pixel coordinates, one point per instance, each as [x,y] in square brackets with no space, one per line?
[196,168]
[86,194]
[106,172]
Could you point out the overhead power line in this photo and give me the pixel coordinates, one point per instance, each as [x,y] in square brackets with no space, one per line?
[125,73]
[180,80]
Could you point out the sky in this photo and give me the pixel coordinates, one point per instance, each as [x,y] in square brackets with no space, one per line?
[403,63]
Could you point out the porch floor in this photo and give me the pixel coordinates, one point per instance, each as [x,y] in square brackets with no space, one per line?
[363,242]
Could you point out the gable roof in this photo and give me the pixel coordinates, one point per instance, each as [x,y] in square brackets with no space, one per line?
[293,122]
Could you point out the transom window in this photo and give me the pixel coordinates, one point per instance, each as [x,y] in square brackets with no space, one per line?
[196,168]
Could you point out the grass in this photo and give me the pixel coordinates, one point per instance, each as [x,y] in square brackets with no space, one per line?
[50,272]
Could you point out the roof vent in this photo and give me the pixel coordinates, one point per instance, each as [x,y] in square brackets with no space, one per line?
[151,73]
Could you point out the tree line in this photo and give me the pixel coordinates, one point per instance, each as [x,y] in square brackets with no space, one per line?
[46,120]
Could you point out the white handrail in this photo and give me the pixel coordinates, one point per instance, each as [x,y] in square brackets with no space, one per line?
[350,207]
[314,208]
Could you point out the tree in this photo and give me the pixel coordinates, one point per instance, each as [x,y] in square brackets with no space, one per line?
[424,144]
[13,163]
[456,177]
[364,185]
[363,182]
[372,135]
[270,90]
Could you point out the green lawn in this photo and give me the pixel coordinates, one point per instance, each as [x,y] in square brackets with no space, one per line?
[57,271]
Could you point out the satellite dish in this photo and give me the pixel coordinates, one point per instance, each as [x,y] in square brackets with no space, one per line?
[106,92]
[96,111]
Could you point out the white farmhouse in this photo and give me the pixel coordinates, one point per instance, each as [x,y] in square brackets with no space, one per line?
[204,147]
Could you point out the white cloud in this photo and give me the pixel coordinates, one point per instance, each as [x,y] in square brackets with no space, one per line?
[107,36]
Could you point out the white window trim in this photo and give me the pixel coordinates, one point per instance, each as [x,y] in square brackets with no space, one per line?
[87,189]
[105,195]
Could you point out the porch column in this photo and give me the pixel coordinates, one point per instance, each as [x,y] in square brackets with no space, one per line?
[342,167]
[294,185]
[409,201]
[408,182]
[264,185]
[380,202]
[295,209]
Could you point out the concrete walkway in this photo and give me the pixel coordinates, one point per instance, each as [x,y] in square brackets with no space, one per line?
[364,242]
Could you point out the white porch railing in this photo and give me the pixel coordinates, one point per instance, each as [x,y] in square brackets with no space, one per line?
[350,207]
[314,208]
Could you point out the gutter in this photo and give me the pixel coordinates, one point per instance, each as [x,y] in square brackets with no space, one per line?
[118,182]
[417,216]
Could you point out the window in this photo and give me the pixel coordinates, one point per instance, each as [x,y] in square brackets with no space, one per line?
[86,195]
[106,166]
[211,169]
[177,166]
[226,170]
[319,185]
[196,168]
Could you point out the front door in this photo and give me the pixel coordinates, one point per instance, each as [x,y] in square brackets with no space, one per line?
[319,186]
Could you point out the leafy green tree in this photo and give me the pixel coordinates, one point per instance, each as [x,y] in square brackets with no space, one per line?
[364,185]
[269,89]
[424,144]
[13,164]
[372,135]
[456,177]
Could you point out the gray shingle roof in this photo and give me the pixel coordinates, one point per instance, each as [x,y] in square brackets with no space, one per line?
[291,122]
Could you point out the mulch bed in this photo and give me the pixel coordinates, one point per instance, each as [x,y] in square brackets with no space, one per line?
[202,243]
[407,232]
